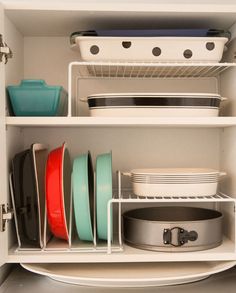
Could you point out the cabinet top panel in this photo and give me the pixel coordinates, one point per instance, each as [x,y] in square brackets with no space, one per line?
[60,18]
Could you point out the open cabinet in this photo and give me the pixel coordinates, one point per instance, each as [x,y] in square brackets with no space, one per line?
[38,36]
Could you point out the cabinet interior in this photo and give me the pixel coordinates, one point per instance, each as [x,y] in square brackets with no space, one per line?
[41,51]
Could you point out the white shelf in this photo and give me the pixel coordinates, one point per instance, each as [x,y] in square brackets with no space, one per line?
[120,122]
[226,251]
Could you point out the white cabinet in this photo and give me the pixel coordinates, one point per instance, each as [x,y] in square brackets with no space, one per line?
[38,35]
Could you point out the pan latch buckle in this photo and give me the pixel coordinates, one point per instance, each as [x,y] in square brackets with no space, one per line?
[177,236]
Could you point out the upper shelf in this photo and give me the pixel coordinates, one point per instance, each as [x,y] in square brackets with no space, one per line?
[149,70]
[212,122]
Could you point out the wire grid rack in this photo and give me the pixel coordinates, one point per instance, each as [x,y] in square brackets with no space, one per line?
[119,199]
[139,70]
[149,70]
[126,198]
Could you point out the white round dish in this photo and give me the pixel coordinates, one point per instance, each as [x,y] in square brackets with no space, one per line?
[131,274]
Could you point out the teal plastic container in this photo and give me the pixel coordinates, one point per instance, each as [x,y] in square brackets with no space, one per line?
[36,98]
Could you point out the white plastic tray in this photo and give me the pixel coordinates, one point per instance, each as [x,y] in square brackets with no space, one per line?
[130,274]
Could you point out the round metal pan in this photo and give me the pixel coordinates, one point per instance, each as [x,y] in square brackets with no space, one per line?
[26,199]
[173,228]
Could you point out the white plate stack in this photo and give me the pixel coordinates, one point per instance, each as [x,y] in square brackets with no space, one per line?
[175,182]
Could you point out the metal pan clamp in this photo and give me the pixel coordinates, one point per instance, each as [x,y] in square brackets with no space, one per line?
[180,238]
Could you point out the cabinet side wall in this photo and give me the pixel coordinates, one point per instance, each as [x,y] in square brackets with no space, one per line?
[13,75]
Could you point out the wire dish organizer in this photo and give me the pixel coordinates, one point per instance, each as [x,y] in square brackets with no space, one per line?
[74,244]
[123,198]
[78,71]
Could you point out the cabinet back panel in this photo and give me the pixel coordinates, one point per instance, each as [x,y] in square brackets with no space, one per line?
[48,58]
[228,160]
[136,147]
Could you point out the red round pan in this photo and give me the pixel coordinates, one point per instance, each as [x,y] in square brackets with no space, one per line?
[58,185]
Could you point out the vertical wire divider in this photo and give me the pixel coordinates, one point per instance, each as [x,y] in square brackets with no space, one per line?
[116,71]
[70,88]
[94,212]
[202,71]
[191,72]
[177,70]
[183,71]
[223,68]
[188,70]
[209,69]
[14,209]
[76,102]
[153,72]
[109,71]
[168,71]
[70,216]
[92,68]
[217,205]
[171,72]
[45,227]
[131,70]
[235,225]
[124,70]
[138,71]
[214,70]
[109,206]
[102,69]
[119,208]
[162,69]
[145,71]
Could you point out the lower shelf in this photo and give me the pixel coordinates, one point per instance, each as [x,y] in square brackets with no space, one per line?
[226,251]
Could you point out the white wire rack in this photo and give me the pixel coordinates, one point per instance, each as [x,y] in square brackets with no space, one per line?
[140,70]
[126,198]
[114,242]
[149,70]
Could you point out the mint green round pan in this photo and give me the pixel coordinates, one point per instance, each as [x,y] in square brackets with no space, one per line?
[103,192]
[83,190]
